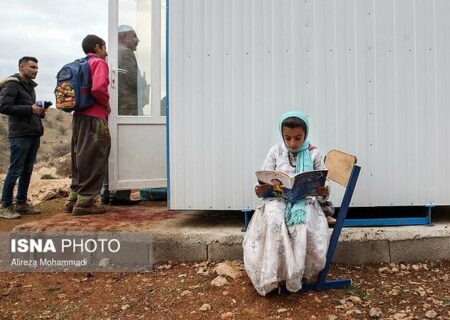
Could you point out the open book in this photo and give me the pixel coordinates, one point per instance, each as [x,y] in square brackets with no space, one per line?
[294,186]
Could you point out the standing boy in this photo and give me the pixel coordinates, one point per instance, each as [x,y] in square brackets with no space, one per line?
[91,141]
[18,101]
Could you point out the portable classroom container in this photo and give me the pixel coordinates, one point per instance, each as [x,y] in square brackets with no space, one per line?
[373,77]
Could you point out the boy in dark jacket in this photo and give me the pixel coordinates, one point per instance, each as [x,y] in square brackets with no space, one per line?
[18,101]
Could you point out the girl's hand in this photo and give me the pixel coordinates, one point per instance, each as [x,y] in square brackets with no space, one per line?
[323,191]
[260,189]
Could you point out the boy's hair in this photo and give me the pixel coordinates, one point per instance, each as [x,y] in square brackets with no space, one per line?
[26,59]
[294,122]
[90,42]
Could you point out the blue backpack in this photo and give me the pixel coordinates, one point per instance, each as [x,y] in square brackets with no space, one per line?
[73,86]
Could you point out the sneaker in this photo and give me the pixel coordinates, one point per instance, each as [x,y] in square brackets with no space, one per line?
[105,199]
[26,209]
[68,206]
[9,213]
[92,209]
[331,221]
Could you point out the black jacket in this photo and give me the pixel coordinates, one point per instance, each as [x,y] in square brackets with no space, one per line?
[16,99]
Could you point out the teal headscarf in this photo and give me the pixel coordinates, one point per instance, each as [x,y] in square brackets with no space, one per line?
[295,213]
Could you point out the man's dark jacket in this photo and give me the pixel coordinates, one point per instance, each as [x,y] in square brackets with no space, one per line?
[16,98]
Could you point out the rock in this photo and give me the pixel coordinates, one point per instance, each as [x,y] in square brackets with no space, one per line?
[203,271]
[384,269]
[186,293]
[227,269]
[205,307]
[202,264]
[375,312]
[355,299]
[282,310]
[62,165]
[45,190]
[195,287]
[104,262]
[394,270]
[227,316]
[125,306]
[430,314]
[332,317]
[415,267]
[219,281]
[225,293]
[394,292]
[399,316]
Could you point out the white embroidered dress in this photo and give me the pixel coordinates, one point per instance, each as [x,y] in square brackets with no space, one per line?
[272,251]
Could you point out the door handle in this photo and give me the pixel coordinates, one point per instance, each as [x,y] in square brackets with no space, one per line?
[114,71]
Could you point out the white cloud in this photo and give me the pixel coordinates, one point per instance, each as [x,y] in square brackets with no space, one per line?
[51,31]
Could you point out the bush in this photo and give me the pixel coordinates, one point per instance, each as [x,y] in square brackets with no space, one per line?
[59,117]
[47,176]
[3,129]
[62,130]
[60,150]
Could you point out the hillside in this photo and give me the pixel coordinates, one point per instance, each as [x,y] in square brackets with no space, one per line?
[55,142]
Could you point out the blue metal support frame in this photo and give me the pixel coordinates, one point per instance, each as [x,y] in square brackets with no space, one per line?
[167,106]
[388,222]
[322,283]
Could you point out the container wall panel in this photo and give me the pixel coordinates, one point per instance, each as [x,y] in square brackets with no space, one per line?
[373,77]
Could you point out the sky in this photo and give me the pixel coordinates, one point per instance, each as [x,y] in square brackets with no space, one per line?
[49,30]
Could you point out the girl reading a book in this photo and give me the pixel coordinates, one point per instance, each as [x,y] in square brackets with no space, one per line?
[286,243]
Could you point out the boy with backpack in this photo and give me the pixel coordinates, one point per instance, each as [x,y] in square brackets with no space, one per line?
[91,141]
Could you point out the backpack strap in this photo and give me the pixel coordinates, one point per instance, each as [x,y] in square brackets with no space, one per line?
[4,81]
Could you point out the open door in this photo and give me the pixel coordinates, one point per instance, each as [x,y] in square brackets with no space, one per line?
[137,122]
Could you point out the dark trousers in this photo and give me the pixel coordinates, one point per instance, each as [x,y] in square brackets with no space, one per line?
[22,159]
[91,144]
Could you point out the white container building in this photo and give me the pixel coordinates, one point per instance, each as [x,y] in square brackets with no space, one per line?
[373,77]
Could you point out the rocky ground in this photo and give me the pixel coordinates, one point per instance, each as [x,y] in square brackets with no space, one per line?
[206,290]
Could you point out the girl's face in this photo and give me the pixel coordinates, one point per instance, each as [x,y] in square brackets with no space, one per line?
[293,138]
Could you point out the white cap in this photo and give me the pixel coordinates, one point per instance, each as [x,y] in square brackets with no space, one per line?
[125,28]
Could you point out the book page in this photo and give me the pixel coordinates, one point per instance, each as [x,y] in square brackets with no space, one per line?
[305,184]
[267,176]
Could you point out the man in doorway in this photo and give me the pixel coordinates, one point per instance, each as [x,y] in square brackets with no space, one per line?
[130,79]
[18,101]
[127,99]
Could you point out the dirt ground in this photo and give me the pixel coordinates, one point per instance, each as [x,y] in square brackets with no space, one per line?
[185,291]
[192,291]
